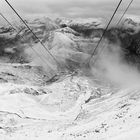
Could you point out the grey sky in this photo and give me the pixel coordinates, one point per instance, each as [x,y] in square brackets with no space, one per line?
[68,8]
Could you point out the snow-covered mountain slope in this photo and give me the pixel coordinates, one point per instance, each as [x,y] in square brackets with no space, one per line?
[65,49]
[73,108]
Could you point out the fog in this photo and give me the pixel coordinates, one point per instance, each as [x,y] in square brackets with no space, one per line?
[111,65]
[38,56]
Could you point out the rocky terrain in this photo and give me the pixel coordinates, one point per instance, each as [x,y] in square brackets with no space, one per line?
[70,101]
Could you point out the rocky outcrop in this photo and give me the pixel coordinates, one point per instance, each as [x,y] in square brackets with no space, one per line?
[132,25]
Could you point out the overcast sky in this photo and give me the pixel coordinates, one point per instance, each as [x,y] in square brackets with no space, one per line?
[68,8]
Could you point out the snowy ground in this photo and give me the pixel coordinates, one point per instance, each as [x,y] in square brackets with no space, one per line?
[74,108]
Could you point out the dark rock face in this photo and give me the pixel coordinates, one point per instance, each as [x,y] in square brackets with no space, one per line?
[130,43]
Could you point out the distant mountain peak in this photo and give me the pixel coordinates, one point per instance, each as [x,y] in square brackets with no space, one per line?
[132,23]
[88,23]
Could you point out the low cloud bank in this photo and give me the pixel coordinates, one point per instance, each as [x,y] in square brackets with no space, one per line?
[111,65]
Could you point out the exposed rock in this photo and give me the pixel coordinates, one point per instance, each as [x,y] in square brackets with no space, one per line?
[131,24]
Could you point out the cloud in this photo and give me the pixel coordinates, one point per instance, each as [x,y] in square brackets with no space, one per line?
[70,8]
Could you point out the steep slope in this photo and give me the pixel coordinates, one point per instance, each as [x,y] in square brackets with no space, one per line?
[75,108]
